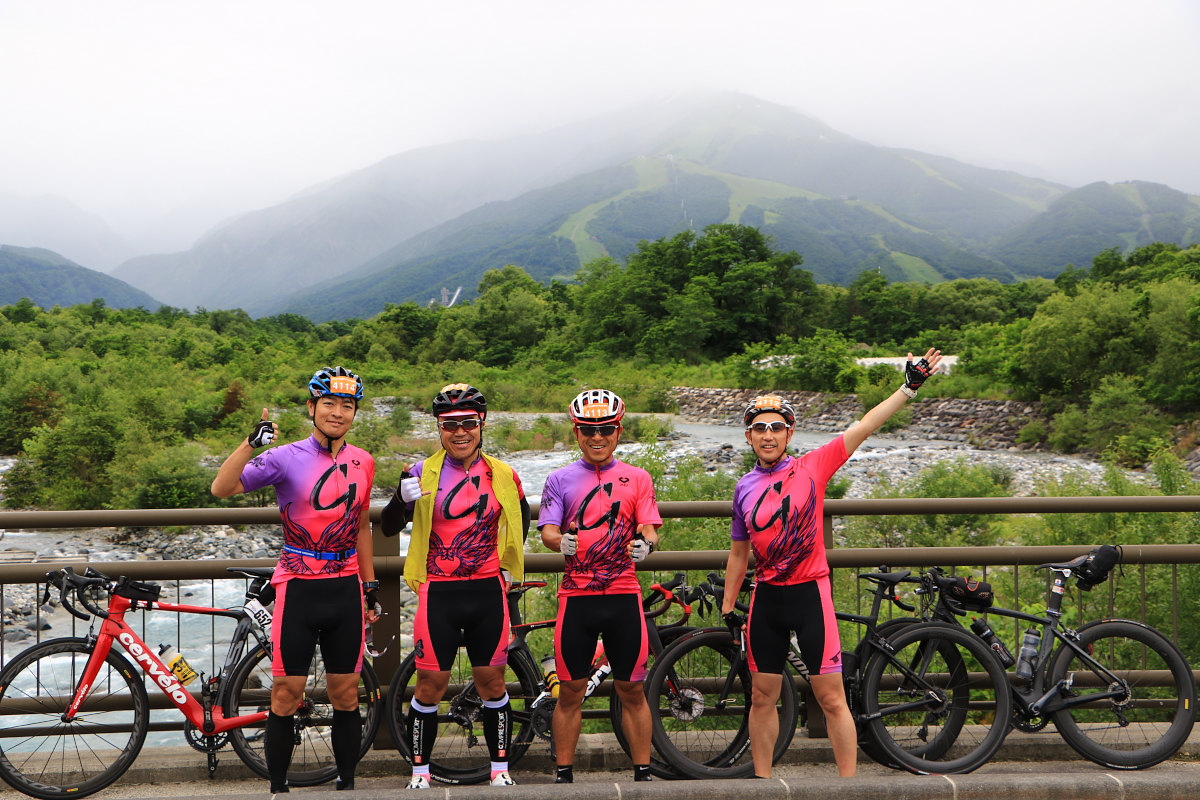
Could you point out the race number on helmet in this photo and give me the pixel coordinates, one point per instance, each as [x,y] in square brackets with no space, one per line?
[336,382]
[769,403]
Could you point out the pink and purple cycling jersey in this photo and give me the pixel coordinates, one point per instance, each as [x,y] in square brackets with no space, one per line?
[780,511]
[321,501]
[606,507]
[466,522]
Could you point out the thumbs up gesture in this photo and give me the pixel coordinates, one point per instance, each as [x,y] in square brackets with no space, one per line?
[264,432]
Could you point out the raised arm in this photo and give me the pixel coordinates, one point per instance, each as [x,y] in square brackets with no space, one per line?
[914,376]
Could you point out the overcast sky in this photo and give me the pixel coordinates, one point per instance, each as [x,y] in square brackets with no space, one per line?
[140,110]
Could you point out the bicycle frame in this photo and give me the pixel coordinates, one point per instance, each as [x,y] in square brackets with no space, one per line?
[209,718]
[1038,699]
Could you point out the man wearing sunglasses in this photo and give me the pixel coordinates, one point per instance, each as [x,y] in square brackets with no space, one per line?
[778,513]
[602,515]
[469,518]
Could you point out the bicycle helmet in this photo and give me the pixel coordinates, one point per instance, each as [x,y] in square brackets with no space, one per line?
[460,398]
[773,403]
[335,381]
[594,406]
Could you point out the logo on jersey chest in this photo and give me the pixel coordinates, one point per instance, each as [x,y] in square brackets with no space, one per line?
[478,508]
[601,494]
[781,514]
[346,498]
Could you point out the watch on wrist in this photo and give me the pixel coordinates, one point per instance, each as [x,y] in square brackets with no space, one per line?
[369,585]
[908,390]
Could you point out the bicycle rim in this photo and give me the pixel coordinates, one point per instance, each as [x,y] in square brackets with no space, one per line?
[939,702]
[1156,710]
[45,757]
[460,753]
[701,729]
[312,758]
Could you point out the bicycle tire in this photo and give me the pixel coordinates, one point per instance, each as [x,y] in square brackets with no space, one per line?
[312,759]
[862,653]
[55,759]
[1150,723]
[942,679]
[694,735]
[460,755]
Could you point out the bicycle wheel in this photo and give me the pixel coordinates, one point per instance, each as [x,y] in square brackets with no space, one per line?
[939,702]
[699,728]
[45,757]
[852,666]
[1153,714]
[312,759]
[460,753]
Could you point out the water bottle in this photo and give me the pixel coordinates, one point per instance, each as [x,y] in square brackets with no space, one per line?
[178,665]
[983,631]
[597,678]
[1027,661]
[551,675]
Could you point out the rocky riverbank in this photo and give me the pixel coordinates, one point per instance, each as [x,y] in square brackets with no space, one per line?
[991,424]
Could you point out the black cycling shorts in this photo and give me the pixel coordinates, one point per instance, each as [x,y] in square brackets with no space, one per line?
[451,614]
[807,609]
[614,618]
[318,611]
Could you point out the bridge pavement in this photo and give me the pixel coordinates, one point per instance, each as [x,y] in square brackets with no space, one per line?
[1028,767]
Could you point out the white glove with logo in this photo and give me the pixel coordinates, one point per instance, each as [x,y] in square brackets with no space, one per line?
[570,543]
[641,548]
[410,489]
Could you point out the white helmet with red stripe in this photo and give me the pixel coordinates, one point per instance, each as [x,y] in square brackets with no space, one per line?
[596,406]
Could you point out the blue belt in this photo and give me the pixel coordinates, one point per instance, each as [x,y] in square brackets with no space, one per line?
[339,556]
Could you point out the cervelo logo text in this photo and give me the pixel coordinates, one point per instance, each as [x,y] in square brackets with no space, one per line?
[161,675]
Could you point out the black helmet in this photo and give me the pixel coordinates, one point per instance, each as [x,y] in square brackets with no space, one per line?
[459,397]
[335,381]
[773,403]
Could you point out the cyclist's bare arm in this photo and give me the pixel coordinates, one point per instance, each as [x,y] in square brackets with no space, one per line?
[552,537]
[229,477]
[735,569]
[873,420]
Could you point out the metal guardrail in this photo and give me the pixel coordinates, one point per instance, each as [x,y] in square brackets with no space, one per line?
[389,565]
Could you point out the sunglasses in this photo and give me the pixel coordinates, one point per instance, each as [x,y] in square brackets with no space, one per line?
[451,425]
[589,431]
[773,427]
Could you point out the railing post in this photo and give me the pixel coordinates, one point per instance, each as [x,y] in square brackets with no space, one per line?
[391,590]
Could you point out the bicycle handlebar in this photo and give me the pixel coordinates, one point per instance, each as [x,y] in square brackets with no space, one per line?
[69,583]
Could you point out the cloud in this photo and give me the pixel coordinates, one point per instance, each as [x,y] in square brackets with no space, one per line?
[136,110]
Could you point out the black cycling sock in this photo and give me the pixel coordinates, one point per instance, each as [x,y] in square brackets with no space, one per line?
[346,734]
[641,772]
[565,774]
[422,730]
[280,740]
[496,730]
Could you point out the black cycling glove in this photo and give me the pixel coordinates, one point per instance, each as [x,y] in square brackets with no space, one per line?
[915,374]
[262,435]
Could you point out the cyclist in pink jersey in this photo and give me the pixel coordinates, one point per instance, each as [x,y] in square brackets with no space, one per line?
[325,580]
[602,515]
[469,518]
[778,513]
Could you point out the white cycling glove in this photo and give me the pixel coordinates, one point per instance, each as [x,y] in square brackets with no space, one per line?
[570,543]
[410,489]
[641,548]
